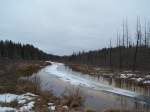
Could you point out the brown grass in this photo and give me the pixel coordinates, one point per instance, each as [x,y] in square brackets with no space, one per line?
[12,70]
[89,110]
[117,110]
[24,86]
[28,70]
[72,98]
[42,101]
[13,104]
[83,68]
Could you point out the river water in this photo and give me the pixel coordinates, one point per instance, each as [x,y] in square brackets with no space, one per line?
[99,93]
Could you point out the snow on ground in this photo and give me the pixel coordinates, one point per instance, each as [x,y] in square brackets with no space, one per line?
[27,107]
[7,98]
[145,79]
[124,76]
[148,76]
[7,109]
[26,100]
[147,82]
[138,79]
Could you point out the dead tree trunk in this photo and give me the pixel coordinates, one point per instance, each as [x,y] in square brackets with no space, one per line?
[123,35]
[127,34]
[148,35]
[138,35]
[120,54]
[145,40]
[110,55]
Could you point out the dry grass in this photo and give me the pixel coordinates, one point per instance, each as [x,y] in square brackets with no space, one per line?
[42,101]
[118,110]
[28,70]
[13,104]
[89,110]
[12,70]
[7,87]
[83,68]
[72,98]
[24,86]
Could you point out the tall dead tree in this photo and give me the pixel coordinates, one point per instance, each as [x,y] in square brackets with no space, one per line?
[138,37]
[140,33]
[110,54]
[148,35]
[117,40]
[123,34]
[120,53]
[127,34]
[145,35]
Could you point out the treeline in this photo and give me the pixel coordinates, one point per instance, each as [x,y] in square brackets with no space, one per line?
[129,52]
[11,50]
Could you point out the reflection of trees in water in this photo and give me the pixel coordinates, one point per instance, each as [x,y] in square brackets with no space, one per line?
[133,105]
[141,107]
[126,84]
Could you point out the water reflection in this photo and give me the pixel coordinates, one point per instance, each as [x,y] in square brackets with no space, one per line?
[125,84]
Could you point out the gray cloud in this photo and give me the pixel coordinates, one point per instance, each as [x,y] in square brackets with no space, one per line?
[64,26]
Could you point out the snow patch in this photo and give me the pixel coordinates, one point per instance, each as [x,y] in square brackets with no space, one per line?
[53,108]
[148,76]
[147,82]
[138,79]
[7,98]
[27,107]
[123,76]
[7,109]
[129,75]
[25,99]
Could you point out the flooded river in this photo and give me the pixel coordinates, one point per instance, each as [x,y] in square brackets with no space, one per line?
[100,93]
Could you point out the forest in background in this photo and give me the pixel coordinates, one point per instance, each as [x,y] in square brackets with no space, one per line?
[11,50]
[131,53]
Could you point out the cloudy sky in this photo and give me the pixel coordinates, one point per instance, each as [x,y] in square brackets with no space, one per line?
[63,26]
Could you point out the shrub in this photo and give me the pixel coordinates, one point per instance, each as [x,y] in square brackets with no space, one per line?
[72,98]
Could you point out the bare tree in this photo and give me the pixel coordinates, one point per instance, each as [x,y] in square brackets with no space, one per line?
[120,53]
[110,54]
[145,35]
[138,39]
[139,32]
[123,34]
[127,34]
[117,39]
[148,35]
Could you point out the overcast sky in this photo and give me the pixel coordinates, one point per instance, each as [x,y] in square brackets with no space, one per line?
[63,26]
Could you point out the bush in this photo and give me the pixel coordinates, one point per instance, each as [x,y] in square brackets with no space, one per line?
[28,70]
[72,98]
[13,104]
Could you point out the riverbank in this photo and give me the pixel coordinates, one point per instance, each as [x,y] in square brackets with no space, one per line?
[12,70]
[13,87]
[19,94]
[139,78]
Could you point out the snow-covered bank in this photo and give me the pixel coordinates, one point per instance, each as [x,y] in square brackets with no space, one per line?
[137,78]
[25,101]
